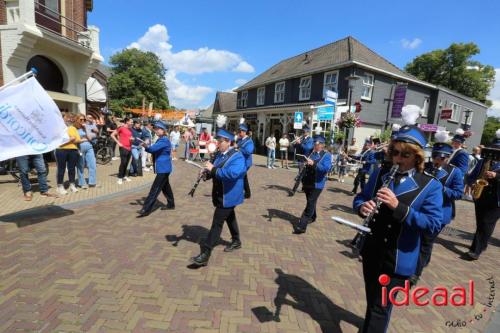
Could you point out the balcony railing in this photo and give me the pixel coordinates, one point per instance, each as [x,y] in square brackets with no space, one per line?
[63,26]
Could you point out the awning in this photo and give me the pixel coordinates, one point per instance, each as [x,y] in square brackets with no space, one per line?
[57,96]
[95,91]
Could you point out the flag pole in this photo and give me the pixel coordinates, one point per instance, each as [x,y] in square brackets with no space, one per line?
[32,72]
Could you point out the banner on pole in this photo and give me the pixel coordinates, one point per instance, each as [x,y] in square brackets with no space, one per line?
[30,121]
[399,100]
[326,112]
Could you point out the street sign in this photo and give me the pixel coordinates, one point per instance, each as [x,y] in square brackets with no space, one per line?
[428,127]
[331,97]
[326,112]
[446,113]
[297,120]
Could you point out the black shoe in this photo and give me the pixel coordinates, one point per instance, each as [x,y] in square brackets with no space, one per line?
[142,213]
[413,280]
[201,259]
[472,255]
[298,230]
[247,195]
[168,207]
[235,245]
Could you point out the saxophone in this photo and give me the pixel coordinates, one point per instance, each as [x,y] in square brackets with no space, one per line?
[481,182]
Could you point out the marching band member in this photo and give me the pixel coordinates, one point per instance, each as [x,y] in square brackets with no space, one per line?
[227,173]
[246,147]
[162,158]
[460,157]
[487,206]
[411,205]
[307,142]
[368,159]
[453,187]
[317,166]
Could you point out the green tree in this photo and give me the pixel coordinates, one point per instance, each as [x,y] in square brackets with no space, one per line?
[454,69]
[137,75]
[490,127]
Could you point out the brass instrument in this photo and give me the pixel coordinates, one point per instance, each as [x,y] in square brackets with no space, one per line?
[488,155]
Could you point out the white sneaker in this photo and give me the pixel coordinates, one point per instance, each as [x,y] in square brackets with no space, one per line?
[61,190]
[269,167]
[120,181]
[127,179]
[273,167]
[115,158]
[73,188]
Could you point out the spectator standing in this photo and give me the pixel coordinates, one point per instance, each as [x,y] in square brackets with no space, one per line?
[271,151]
[175,137]
[148,135]
[136,149]
[187,137]
[86,157]
[342,165]
[204,136]
[110,127]
[67,155]
[23,162]
[123,136]
[284,145]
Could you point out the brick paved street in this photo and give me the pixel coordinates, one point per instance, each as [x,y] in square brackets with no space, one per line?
[93,267]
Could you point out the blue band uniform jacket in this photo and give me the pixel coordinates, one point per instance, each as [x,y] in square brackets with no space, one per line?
[307,145]
[227,174]
[246,147]
[460,159]
[161,150]
[452,180]
[395,239]
[315,176]
[491,193]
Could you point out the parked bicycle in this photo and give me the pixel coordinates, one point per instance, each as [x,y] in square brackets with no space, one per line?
[102,149]
[10,167]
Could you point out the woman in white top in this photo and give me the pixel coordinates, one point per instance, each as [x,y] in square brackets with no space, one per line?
[271,151]
[284,144]
[175,137]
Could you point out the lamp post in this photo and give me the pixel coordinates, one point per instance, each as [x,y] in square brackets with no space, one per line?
[351,79]
[466,126]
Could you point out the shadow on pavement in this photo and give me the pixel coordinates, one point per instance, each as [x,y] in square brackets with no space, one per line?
[340,190]
[285,189]
[460,234]
[192,233]
[308,299]
[271,213]
[347,243]
[36,215]
[342,208]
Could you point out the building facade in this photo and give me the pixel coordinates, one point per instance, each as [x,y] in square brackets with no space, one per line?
[358,75]
[53,37]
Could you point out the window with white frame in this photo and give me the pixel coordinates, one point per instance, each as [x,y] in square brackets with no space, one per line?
[243,99]
[279,92]
[425,108]
[330,82]
[455,112]
[305,88]
[261,95]
[469,119]
[368,81]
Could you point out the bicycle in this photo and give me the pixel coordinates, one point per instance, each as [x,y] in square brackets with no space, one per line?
[10,167]
[102,149]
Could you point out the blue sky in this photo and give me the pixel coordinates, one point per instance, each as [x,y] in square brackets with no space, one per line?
[216,45]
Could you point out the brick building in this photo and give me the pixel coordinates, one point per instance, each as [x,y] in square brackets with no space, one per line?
[53,37]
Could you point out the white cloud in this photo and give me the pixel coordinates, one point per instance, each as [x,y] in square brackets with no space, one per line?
[494,96]
[411,44]
[240,82]
[191,62]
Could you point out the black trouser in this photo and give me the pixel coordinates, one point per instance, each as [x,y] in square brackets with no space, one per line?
[66,158]
[359,180]
[160,184]
[486,220]
[309,214]
[221,215]
[113,148]
[426,244]
[247,186]
[125,156]
[377,316]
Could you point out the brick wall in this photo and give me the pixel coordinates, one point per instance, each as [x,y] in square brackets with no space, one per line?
[3,20]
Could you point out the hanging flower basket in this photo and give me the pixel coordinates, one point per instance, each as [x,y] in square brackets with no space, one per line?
[349,120]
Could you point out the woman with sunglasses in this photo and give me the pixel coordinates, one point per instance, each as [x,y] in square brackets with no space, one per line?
[67,155]
[410,205]
[452,180]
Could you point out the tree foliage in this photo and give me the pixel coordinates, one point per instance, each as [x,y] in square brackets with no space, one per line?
[490,127]
[454,69]
[137,75]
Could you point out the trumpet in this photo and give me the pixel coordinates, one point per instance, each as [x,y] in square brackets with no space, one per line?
[300,138]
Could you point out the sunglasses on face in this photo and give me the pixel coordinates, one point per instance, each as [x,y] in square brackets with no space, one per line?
[82,119]
[403,154]
[438,156]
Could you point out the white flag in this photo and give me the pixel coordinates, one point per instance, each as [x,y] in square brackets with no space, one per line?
[30,121]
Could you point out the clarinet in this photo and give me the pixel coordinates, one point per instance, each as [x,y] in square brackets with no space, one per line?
[203,176]
[359,239]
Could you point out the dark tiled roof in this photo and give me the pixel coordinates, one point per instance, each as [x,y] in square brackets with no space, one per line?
[226,101]
[342,52]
